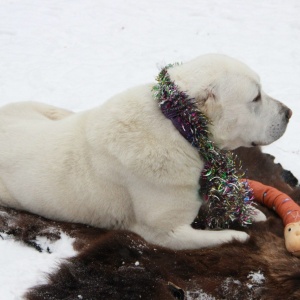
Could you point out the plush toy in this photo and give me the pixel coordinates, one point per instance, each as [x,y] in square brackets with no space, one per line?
[285,207]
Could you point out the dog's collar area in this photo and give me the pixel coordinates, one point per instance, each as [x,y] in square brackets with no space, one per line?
[229,200]
[178,107]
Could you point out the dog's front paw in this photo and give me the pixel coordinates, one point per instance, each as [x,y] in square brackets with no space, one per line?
[232,235]
[258,216]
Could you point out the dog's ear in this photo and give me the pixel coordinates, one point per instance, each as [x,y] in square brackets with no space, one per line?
[206,96]
[209,103]
[197,85]
[210,94]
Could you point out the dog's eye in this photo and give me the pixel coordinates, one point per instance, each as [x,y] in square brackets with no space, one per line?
[257,98]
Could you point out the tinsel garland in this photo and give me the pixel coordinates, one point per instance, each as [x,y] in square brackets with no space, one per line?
[229,199]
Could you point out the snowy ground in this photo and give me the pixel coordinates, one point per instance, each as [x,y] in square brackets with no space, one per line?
[77,53]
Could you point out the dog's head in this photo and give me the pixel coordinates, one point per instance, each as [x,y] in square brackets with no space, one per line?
[229,93]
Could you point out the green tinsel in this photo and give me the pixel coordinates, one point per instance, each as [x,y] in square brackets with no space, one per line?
[229,199]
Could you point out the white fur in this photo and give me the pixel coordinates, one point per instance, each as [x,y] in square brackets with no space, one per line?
[123,164]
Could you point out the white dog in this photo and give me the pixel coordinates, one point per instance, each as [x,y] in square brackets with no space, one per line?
[123,164]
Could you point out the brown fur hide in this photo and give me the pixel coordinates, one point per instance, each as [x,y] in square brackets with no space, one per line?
[121,265]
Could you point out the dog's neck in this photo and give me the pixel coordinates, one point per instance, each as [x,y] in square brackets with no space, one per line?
[229,200]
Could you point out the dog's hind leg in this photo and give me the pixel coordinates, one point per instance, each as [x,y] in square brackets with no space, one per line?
[52,112]
[31,109]
[6,199]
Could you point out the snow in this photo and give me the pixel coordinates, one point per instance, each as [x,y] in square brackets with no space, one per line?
[76,54]
[256,279]
[22,266]
[198,295]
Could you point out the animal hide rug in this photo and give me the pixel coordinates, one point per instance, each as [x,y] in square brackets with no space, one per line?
[121,265]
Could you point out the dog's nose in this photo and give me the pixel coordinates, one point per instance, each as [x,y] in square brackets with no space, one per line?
[288,113]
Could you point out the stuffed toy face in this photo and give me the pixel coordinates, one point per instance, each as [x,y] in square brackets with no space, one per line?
[292,238]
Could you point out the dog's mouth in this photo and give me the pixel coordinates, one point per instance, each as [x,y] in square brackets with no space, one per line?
[257,144]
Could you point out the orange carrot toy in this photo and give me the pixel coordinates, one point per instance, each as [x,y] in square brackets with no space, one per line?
[286,208]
